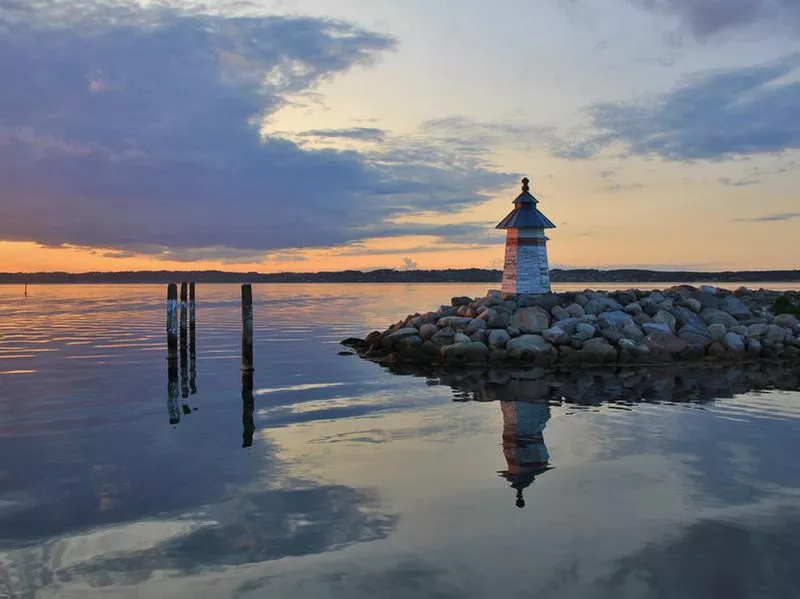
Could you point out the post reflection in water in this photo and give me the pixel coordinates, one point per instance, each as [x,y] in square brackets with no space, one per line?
[248,406]
[192,343]
[173,402]
[523,444]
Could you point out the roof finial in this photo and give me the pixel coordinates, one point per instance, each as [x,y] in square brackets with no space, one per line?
[525,182]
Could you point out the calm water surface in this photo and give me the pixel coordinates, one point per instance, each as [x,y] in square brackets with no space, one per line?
[343,480]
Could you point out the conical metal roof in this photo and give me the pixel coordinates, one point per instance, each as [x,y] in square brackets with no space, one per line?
[525,214]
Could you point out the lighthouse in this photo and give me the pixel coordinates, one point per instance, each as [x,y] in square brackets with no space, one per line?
[525,269]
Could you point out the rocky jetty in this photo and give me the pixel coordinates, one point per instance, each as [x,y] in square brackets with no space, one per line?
[682,323]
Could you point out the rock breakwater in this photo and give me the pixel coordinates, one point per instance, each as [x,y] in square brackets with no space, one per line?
[682,323]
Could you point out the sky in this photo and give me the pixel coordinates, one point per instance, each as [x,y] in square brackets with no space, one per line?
[308,135]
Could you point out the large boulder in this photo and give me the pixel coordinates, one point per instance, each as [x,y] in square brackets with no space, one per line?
[555,335]
[633,308]
[584,331]
[733,342]
[717,332]
[735,307]
[787,321]
[460,301]
[457,323]
[776,334]
[656,327]
[665,343]
[497,319]
[707,299]
[445,336]
[531,320]
[714,316]
[599,350]
[498,338]
[530,347]
[389,341]
[667,318]
[694,336]
[614,319]
[598,305]
[631,330]
[426,331]
[466,352]
[475,325]
[757,330]
[575,310]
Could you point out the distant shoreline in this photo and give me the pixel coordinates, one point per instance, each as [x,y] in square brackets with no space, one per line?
[470,275]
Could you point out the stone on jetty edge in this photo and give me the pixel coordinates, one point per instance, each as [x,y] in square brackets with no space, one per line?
[682,323]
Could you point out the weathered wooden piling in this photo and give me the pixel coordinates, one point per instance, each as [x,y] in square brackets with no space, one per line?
[173,405]
[192,341]
[172,322]
[248,407]
[247,327]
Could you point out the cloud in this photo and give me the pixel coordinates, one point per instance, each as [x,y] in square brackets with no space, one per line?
[728,182]
[140,131]
[713,116]
[358,133]
[705,18]
[409,264]
[768,217]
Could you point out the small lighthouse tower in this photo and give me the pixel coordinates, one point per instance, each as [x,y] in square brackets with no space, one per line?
[525,269]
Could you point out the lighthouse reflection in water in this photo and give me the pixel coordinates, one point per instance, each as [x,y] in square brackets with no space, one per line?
[523,444]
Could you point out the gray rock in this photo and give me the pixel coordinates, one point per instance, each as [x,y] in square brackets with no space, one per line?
[497,320]
[409,345]
[717,332]
[556,335]
[642,318]
[479,336]
[628,344]
[776,334]
[694,336]
[740,330]
[457,323]
[787,321]
[415,321]
[581,300]
[735,307]
[461,338]
[575,310]
[444,336]
[599,305]
[707,289]
[714,316]
[467,352]
[390,340]
[665,343]
[656,327]
[599,349]
[667,318]
[475,325]
[734,342]
[513,331]
[633,308]
[530,346]
[707,300]
[754,346]
[614,319]
[498,338]
[632,331]
[560,313]
[584,331]
[531,320]
[427,331]
[569,325]
[460,301]
[758,329]
[692,304]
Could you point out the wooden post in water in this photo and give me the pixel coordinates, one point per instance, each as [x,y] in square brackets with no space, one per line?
[184,340]
[247,327]
[248,406]
[172,322]
[192,342]
[172,391]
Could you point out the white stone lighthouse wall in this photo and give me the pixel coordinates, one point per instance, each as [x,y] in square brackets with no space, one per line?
[526,269]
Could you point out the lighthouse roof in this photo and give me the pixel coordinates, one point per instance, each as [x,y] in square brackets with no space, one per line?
[525,214]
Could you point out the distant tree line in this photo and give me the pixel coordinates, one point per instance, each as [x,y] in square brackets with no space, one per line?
[462,275]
